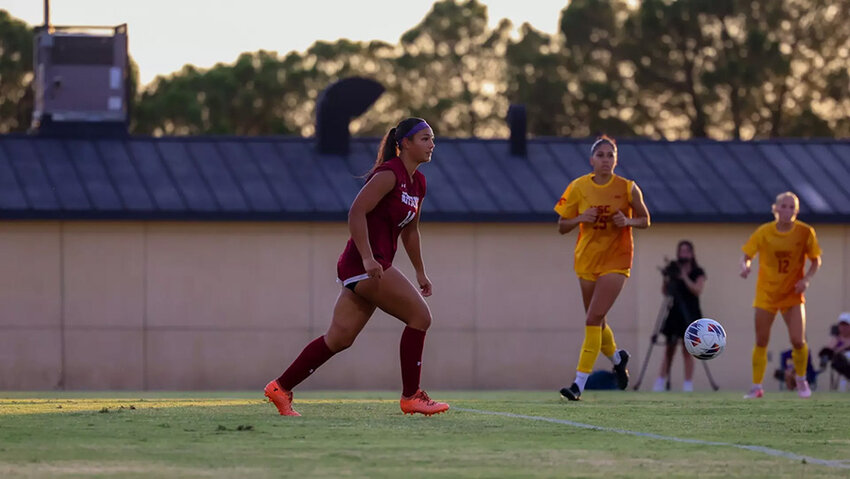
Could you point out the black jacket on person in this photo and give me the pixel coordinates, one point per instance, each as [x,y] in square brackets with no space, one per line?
[685,308]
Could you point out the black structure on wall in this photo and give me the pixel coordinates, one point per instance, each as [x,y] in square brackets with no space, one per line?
[338,104]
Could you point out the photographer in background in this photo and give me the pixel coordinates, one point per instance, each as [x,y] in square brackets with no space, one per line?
[683,281]
[837,352]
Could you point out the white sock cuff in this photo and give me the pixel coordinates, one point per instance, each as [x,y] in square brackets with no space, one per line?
[616,357]
[581,380]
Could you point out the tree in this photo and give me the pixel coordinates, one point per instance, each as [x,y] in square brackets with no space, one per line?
[667,53]
[16,99]
[259,94]
[537,79]
[658,68]
[813,98]
[601,94]
[249,97]
[750,61]
[739,69]
[451,70]
[447,69]
[325,63]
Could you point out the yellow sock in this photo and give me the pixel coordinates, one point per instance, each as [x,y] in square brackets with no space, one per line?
[589,348]
[759,363]
[800,357]
[609,346]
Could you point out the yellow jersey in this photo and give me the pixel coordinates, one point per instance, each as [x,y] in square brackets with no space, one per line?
[601,246]
[782,258]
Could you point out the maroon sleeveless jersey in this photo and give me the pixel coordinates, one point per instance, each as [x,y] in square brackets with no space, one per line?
[385,222]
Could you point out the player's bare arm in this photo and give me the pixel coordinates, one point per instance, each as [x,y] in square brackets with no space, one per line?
[565,225]
[371,193]
[695,287]
[814,265]
[641,213]
[412,244]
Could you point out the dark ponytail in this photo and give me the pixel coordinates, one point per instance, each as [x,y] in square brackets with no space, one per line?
[391,143]
[388,149]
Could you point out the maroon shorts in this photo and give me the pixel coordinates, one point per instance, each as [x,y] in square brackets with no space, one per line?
[349,268]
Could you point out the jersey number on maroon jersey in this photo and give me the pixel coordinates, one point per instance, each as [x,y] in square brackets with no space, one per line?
[407,219]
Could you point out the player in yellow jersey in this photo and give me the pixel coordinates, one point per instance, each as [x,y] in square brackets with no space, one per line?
[605,207]
[783,246]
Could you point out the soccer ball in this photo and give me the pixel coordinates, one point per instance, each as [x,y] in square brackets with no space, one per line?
[705,339]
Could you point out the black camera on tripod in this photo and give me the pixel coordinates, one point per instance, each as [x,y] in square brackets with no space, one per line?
[672,271]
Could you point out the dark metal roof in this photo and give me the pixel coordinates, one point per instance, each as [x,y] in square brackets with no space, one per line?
[239,178]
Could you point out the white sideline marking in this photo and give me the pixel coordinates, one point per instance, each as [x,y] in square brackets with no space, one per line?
[842,464]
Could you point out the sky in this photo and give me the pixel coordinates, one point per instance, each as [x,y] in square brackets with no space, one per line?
[164,35]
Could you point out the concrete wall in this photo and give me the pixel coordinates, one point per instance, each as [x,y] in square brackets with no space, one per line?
[159,305]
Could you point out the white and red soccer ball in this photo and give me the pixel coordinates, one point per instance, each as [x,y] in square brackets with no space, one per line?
[705,339]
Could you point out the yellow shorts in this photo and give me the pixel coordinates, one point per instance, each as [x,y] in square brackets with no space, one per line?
[773,306]
[594,276]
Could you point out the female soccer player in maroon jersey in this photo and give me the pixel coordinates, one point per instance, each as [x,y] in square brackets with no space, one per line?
[388,206]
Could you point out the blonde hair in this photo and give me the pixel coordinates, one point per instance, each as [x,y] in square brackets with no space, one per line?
[782,196]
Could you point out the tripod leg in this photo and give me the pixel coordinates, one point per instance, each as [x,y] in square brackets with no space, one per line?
[710,378]
[659,321]
[645,364]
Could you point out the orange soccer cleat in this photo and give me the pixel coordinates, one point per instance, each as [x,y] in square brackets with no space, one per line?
[281,398]
[422,404]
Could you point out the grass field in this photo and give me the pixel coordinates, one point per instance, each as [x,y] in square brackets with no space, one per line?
[363,434]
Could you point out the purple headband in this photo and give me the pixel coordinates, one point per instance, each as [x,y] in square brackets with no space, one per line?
[416,128]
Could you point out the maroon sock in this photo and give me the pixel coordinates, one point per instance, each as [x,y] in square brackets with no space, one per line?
[410,352]
[314,355]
